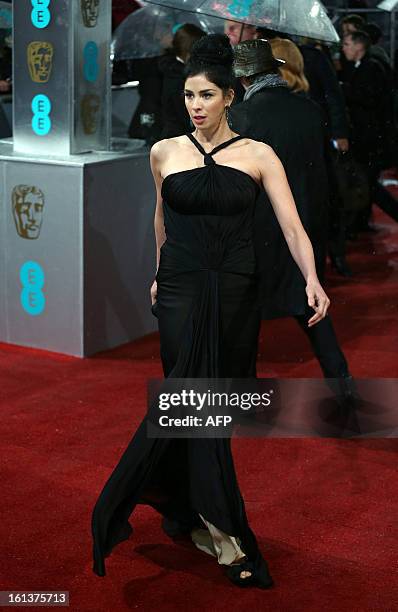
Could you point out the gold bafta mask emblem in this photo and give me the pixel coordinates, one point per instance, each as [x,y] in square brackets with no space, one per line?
[90,12]
[90,106]
[40,60]
[28,206]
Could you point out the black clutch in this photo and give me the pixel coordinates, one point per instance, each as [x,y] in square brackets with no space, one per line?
[154,309]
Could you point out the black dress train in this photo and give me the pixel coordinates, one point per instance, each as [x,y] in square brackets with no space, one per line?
[209,322]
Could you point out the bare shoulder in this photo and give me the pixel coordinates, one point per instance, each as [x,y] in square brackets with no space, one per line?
[161,149]
[260,150]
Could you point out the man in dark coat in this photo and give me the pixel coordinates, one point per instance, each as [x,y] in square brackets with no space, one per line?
[366,90]
[146,121]
[175,117]
[326,91]
[294,127]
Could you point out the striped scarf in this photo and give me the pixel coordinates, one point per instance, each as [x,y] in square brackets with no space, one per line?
[263,81]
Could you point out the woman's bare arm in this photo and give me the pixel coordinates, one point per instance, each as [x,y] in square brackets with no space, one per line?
[275,183]
[156,157]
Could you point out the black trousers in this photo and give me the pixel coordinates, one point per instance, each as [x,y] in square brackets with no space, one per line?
[325,345]
[370,159]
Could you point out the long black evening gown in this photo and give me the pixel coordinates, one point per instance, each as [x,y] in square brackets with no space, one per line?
[209,324]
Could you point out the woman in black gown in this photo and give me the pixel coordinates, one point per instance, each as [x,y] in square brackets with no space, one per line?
[205,298]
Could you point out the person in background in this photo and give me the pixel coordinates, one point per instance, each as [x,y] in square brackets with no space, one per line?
[324,89]
[352,23]
[367,97]
[146,122]
[349,24]
[237,32]
[376,50]
[378,53]
[5,84]
[175,118]
[5,66]
[293,126]
[292,70]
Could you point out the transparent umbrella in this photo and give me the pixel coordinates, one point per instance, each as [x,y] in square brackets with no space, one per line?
[298,17]
[5,16]
[149,31]
[388,5]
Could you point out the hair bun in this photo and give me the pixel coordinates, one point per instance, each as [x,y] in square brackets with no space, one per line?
[213,49]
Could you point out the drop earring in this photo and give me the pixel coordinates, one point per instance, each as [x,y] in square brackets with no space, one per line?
[227,114]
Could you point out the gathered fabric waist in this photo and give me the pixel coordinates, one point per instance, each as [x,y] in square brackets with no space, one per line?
[177,257]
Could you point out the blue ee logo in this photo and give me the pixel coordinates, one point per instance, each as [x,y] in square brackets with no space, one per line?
[90,66]
[41,109]
[41,16]
[32,280]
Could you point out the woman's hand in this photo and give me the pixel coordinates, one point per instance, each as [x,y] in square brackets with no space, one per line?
[318,300]
[154,292]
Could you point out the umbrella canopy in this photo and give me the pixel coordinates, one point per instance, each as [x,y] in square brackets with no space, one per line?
[388,5]
[121,9]
[149,31]
[297,17]
[5,16]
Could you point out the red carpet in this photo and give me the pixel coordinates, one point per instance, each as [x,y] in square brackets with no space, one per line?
[324,511]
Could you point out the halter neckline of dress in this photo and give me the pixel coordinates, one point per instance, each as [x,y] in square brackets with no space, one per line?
[208,157]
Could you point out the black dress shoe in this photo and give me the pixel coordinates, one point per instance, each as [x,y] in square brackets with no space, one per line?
[345,391]
[341,266]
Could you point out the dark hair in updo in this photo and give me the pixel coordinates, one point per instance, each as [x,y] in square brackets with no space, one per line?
[212,56]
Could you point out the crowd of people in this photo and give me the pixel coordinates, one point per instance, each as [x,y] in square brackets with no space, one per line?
[354,89]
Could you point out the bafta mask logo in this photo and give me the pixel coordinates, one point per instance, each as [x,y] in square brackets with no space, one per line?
[90,106]
[40,60]
[90,12]
[28,206]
